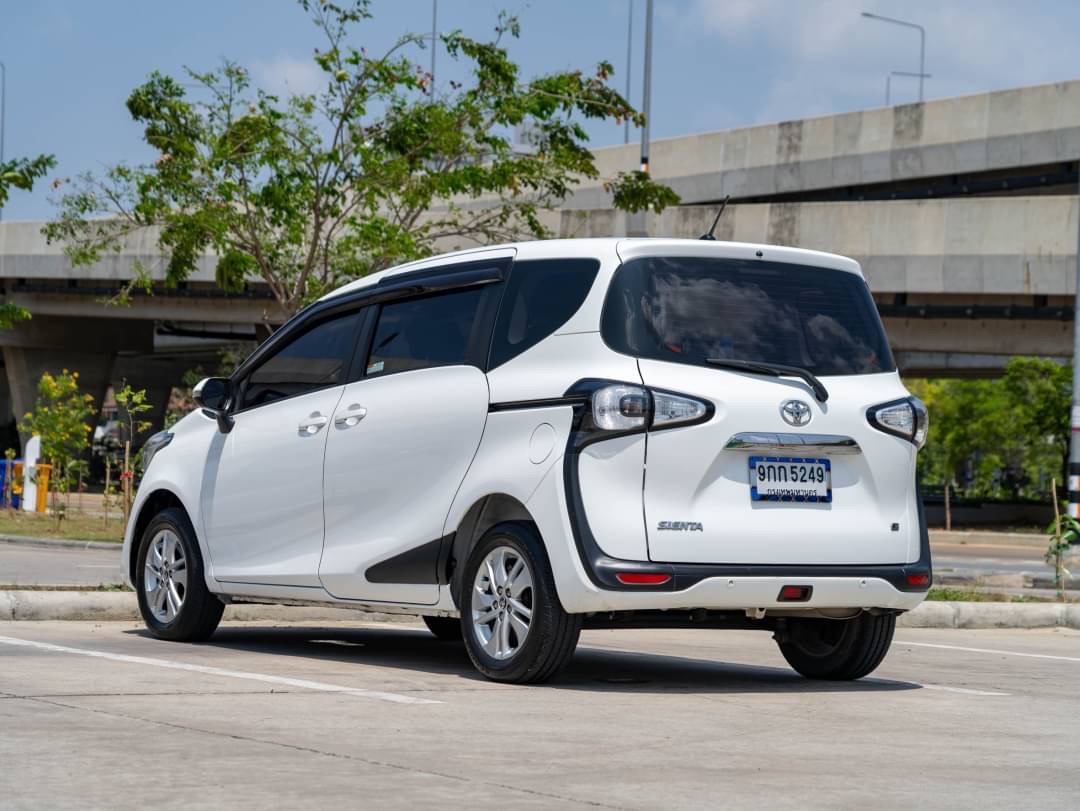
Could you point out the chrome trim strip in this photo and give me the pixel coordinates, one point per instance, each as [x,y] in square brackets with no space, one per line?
[835,444]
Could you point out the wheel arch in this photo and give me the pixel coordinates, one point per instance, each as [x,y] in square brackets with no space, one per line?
[160,499]
[484,513]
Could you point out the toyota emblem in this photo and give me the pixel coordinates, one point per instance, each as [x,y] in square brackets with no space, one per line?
[795,412]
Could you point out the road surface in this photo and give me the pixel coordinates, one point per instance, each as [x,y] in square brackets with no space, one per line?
[99,715]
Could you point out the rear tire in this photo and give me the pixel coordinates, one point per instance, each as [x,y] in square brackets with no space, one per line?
[446,629]
[837,650]
[169,582]
[514,626]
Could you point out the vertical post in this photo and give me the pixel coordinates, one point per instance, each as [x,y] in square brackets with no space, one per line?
[888,89]
[646,101]
[922,61]
[434,42]
[3,114]
[1074,421]
[629,64]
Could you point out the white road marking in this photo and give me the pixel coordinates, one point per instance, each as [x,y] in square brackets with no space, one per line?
[963,690]
[303,684]
[989,650]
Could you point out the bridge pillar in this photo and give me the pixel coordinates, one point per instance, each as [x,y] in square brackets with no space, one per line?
[24,368]
[52,344]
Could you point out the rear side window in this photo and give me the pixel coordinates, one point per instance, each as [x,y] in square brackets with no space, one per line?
[540,297]
[688,310]
[424,332]
[316,359]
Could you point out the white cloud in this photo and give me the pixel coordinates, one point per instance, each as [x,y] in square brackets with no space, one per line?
[286,75]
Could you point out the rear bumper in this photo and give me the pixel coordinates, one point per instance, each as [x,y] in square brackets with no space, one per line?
[738,593]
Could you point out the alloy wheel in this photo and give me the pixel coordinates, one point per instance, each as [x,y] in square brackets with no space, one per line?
[502,602]
[165,576]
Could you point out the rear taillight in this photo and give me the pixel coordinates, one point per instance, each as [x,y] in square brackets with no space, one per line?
[674,409]
[625,407]
[620,407]
[905,418]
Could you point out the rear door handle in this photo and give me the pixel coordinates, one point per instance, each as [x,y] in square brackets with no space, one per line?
[355,413]
[312,424]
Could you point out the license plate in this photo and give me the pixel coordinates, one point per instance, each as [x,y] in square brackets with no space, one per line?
[790,478]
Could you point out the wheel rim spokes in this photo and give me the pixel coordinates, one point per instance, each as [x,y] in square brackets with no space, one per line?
[502,602]
[165,576]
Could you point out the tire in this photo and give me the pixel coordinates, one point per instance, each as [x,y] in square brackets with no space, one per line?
[446,629]
[169,542]
[837,650]
[547,644]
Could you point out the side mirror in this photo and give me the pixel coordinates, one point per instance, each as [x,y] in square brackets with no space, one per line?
[214,395]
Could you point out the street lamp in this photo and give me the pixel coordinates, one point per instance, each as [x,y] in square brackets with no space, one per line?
[888,82]
[629,64]
[922,42]
[647,90]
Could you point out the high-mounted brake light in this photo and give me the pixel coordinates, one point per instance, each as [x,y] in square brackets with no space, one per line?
[905,418]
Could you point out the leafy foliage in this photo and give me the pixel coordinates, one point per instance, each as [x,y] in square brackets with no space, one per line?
[378,167]
[999,438]
[60,417]
[20,174]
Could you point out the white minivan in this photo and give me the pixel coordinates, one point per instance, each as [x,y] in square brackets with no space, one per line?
[519,442]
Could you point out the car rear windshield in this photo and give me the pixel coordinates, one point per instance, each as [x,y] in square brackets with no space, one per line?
[690,309]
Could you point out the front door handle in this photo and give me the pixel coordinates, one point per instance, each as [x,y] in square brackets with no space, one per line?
[312,424]
[353,415]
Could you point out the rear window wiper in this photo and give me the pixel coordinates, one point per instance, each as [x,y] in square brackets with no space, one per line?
[775,370]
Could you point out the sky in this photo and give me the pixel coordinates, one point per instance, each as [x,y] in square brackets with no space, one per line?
[717,64]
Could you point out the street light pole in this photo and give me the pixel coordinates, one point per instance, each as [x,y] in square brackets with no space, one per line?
[1074,417]
[3,113]
[434,41]
[888,82]
[629,65]
[647,91]
[922,42]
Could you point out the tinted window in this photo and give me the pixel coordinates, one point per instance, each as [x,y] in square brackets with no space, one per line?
[424,332]
[691,309]
[315,359]
[540,297]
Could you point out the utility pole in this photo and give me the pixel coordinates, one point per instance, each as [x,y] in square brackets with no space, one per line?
[3,114]
[629,65]
[646,106]
[1074,421]
[434,42]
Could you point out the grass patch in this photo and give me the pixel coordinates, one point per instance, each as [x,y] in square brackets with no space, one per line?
[76,526]
[966,595]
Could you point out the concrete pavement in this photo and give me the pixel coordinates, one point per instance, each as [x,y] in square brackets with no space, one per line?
[34,565]
[99,715]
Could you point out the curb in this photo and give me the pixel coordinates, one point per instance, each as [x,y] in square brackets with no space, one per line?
[121,606]
[944,614]
[59,543]
[109,606]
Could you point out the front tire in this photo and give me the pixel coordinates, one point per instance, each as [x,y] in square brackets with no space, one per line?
[837,650]
[173,599]
[514,626]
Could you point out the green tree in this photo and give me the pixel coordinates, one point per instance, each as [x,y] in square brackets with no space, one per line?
[61,419]
[1006,437]
[379,167]
[20,174]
